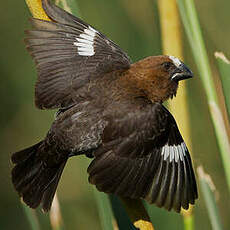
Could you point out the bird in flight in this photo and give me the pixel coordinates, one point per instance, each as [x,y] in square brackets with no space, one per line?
[109,110]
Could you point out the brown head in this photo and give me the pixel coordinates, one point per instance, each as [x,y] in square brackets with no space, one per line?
[158,76]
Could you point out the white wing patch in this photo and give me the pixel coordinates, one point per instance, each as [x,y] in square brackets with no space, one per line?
[176,61]
[85,42]
[174,152]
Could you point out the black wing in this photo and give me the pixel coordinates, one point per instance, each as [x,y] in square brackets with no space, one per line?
[68,53]
[144,156]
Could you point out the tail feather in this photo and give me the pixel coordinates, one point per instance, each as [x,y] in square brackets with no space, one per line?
[50,192]
[35,182]
[23,155]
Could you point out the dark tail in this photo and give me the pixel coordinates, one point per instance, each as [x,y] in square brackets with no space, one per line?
[35,182]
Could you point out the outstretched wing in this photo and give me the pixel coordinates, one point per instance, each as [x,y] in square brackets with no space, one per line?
[144,156]
[68,54]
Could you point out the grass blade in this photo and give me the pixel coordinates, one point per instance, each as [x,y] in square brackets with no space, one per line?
[69,5]
[55,215]
[137,213]
[172,45]
[31,217]
[188,222]
[194,34]
[224,68]
[123,220]
[35,7]
[105,211]
[207,188]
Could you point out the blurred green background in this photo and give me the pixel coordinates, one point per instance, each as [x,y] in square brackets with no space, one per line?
[133,25]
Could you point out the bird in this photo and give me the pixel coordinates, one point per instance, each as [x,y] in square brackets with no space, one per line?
[110,110]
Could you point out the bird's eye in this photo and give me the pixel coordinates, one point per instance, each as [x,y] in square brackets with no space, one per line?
[167,65]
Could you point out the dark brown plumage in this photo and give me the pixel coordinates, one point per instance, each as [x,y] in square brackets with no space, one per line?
[110,110]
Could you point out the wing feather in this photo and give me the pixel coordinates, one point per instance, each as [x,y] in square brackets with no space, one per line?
[68,54]
[153,163]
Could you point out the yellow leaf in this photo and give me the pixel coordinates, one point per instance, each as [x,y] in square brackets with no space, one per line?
[35,7]
[137,213]
[172,45]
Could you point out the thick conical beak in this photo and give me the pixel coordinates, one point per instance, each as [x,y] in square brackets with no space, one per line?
[182,73]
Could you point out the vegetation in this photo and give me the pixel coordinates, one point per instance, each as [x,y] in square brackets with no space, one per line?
[200,109]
